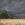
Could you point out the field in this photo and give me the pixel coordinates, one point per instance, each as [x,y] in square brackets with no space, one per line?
[12,21]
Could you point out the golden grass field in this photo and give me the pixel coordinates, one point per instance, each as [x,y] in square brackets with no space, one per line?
[12,21]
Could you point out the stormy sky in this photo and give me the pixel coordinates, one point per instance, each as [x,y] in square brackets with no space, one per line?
[15,7]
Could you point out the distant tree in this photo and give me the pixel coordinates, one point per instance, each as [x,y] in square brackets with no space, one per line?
[11,17]
[4,14]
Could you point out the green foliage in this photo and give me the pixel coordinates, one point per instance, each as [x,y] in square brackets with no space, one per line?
[4,14]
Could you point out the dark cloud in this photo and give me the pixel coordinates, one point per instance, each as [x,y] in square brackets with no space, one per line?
[17,7]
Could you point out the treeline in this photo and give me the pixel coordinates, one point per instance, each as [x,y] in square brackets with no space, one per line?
[5,15]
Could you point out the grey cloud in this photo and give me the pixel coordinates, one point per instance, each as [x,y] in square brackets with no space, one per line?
[16,7]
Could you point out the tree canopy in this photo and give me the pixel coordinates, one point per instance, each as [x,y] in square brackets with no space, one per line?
[4,14]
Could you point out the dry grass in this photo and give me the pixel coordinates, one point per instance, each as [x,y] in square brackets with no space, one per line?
[12,21]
